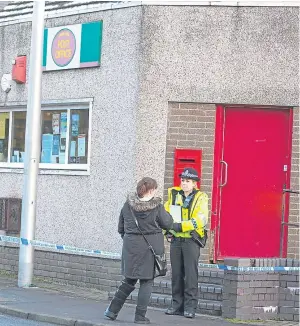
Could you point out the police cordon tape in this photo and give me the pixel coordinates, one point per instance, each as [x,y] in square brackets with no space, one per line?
[42,244]
[107,254]
[250,269]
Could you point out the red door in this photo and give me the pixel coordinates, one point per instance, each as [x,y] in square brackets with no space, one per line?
[252,166]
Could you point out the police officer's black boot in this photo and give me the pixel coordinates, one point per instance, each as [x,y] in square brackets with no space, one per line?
[118,301]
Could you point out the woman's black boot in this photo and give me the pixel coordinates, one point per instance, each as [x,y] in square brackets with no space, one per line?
[140,316]
[118,301]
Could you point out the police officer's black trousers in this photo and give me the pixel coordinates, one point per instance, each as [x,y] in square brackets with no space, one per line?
[184,253]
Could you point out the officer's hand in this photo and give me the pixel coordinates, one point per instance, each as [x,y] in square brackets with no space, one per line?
[190,225]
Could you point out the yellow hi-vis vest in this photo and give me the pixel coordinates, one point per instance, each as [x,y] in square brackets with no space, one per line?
[198,210]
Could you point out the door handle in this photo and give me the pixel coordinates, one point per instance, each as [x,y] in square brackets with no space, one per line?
[226,173]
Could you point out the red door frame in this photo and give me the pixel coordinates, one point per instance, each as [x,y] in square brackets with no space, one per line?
[217,173]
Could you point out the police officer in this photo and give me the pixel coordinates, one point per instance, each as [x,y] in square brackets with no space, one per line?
[184,250]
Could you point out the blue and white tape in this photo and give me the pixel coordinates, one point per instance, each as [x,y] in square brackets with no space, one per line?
[58,247]
[250,269]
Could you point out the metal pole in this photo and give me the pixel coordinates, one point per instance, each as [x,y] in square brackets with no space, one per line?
[32,146]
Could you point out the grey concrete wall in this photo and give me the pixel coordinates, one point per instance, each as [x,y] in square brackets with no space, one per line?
[83,210]
[242,55]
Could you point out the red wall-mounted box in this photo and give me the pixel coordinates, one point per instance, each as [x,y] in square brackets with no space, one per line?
[19,69]
[186,158]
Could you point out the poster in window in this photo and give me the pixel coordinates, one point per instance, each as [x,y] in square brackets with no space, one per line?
[63,144]
[81,145]
[47,145]
[16,156]
[3,117]
[61,158]
[75,124]
[63,124]
[56,144]
[73,148]
[22,159]
[55,123]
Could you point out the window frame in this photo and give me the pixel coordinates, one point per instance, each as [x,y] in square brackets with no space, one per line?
[53,105]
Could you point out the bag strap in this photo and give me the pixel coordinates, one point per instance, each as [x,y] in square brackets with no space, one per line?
[137,224]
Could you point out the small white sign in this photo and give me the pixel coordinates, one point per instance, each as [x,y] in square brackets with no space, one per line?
[63,47]
[6,82]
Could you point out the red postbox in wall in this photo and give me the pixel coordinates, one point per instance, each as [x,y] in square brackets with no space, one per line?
[186,158]
[19,69]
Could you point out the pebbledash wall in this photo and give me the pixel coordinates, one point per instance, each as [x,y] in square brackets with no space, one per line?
[157,63]
[74,207]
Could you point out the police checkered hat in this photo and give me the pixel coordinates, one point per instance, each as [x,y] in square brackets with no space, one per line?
[190,173]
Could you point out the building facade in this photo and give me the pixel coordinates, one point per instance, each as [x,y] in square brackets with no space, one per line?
[198,77]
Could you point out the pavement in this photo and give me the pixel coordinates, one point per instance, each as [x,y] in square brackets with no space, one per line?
[13,321]
[73,306]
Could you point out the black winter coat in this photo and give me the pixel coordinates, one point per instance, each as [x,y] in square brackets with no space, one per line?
[137,259]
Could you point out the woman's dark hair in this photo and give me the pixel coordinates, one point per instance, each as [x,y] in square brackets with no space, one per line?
[145,185]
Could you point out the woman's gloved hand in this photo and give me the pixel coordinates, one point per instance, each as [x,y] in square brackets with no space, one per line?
[177,227]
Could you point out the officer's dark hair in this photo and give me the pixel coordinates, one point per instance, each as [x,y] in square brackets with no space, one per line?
[145,185]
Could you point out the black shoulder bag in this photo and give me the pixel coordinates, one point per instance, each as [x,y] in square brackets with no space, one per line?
[160,261]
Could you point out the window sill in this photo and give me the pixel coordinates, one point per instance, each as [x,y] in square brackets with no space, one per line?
[46,171]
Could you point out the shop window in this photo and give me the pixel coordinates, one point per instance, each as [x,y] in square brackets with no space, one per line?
[64,138]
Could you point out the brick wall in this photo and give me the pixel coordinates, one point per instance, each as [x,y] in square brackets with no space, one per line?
[85,271]
[9,259]
[288,296]
[249,295]
[191,125]
[261,295]
[293,237]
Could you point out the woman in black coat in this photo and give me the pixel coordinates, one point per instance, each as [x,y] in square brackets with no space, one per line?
[137,259]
